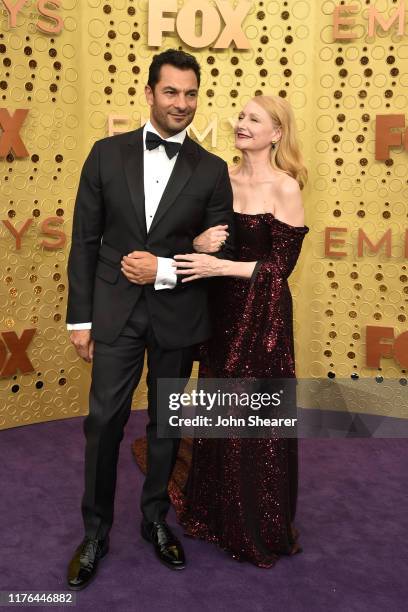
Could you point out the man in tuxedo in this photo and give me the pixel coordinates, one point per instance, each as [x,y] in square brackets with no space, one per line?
[143,197]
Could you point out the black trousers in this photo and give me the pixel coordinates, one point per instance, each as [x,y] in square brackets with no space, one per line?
[116,372]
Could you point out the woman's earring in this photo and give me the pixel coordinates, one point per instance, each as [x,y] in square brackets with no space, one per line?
[273,145]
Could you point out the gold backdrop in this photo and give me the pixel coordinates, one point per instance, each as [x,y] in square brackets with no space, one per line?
[87,81]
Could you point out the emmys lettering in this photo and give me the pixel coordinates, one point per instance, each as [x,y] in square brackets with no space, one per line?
[385,138]
[117,124]
[14,8]
[46,227]
[13,353]
[198,23]
[381,342]
[363,242]
[343,23]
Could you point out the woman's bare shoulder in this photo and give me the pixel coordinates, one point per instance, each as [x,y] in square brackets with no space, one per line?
[289,206]
[288,185]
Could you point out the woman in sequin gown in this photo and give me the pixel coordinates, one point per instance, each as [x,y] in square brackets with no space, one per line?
[241,493]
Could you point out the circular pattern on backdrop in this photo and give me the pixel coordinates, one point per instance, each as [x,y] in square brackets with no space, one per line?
[336,90]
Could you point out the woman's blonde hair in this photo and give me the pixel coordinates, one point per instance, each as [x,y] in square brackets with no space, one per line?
[286,155]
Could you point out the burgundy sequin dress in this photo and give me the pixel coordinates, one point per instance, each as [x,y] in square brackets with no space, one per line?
[241,493]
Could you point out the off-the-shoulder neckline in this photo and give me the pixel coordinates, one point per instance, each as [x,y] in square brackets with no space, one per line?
[254,214]
[295,227]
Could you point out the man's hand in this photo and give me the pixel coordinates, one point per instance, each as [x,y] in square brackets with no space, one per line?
[81,339]
[140,267]
[212,240]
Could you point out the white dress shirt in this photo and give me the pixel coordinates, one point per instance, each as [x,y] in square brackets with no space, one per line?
[157,170]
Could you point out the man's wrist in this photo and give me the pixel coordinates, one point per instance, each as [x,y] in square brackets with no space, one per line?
[166,277]
[78,326]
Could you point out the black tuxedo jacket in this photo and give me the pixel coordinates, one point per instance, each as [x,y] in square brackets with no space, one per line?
[109,222]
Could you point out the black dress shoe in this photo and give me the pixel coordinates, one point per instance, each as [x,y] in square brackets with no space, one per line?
[167,547]
[83,565]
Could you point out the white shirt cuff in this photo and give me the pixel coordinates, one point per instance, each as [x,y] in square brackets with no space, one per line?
[74,326]
[166,277]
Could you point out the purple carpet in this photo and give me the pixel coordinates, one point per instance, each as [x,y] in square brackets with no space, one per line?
[352,516]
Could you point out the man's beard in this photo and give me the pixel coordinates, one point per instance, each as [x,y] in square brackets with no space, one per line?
[170,128]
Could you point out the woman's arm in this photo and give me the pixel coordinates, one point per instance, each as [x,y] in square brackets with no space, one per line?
[199,265]
[289,207]
[194,266]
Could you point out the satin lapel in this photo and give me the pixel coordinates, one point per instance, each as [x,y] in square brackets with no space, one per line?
[132,152]
[187,160]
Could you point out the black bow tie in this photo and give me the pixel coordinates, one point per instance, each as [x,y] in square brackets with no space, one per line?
[153,141]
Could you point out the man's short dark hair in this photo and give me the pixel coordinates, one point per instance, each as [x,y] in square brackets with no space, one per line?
[178,59]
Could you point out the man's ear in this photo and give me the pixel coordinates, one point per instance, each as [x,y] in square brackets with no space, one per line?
[149,95]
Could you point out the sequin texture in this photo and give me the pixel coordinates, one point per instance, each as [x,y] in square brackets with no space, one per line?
[241,493]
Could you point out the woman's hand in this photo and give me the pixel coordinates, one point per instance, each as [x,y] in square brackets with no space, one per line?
[211,240]
[197,265]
